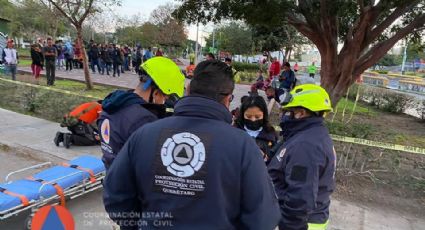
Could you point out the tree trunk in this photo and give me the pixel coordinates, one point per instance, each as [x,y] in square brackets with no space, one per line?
[337,78]
[89,83]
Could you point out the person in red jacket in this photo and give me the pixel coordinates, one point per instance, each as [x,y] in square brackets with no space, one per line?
[274,68]
[81,122]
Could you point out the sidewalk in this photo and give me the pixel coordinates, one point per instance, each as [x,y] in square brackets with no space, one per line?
[34,136]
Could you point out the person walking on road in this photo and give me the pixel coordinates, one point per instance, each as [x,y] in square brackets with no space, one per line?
[106,60]
[303,169]
[50,53]
[94,54]
[193,169]
[312,69]
[69,56]
[116,60]
[274,70]
[125,111]
[37,61]
[10,58]
[148,54]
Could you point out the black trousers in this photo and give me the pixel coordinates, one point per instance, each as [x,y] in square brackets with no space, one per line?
[68,64]
[50,71]
[83,134]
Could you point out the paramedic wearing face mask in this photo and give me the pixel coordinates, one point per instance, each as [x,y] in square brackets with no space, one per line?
[126,111]
[303,169]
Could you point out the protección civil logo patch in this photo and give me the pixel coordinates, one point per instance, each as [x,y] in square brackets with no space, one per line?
[183,154]
[180,165]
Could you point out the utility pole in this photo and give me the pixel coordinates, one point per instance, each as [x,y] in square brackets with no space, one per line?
[196,45]
[404,58]
[213,44]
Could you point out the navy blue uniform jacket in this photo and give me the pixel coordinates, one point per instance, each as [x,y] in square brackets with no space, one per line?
[191,171]
[122,114]
[303,173]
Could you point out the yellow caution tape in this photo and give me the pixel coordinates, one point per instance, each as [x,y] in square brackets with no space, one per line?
[378,144]
[49,88]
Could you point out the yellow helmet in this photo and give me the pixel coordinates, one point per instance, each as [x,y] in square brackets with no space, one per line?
[309,96]
[166,75]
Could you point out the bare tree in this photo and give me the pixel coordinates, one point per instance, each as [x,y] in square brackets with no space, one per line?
[76,12]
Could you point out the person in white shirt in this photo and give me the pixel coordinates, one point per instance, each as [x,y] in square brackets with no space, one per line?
[10,58]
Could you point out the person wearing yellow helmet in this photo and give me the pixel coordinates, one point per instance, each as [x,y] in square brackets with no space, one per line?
[303,169]
[126,111]
[194,167]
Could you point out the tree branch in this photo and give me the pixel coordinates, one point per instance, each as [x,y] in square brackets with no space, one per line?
[379,50]
[306,30]
[399,11]
[63,12]
[88,10]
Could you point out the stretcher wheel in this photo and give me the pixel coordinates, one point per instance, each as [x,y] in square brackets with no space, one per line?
[28,222]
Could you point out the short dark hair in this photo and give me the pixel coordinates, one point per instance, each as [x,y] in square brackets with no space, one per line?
[254,101]
[49,38]
[287,64]
[212,79]
[211,55]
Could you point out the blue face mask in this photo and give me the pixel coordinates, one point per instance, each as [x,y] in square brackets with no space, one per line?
[288,116]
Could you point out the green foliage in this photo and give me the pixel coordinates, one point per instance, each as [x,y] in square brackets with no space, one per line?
[162,30]
[233,37]
[247,77]
[382,71]
[44,103]
[349,107]
[387,100]
[390,60]
[416,50]
[242,66]
[356,130]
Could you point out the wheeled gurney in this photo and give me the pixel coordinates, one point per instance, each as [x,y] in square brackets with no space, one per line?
[53,185]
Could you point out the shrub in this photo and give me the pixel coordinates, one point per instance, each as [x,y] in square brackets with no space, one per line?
[386,100]
[420,109]
[356,130]
[241,66]
[396,102]
[382,71]
[247,77]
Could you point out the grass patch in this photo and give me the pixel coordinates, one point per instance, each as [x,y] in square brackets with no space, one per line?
[25,62]
[44,103]
[24,52]
[357,130]
[349,108]
[99,91]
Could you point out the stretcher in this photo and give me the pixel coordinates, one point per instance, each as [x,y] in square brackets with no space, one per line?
[54,185]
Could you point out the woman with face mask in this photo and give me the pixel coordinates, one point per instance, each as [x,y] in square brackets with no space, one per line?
[254,119]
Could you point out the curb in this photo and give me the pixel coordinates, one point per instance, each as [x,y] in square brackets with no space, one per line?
[24,151]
